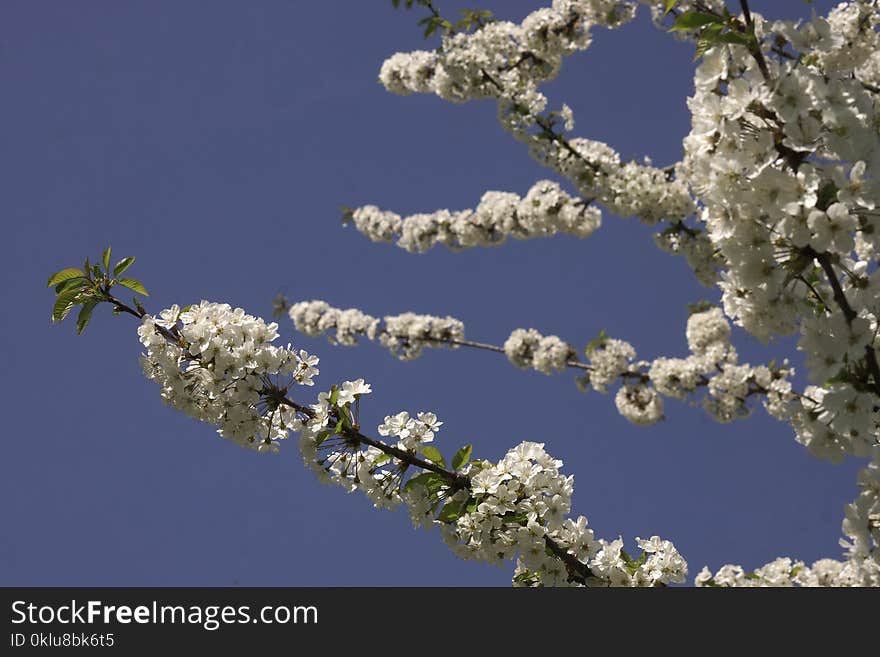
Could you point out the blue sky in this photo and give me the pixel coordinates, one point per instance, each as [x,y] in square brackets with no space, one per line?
[216,142]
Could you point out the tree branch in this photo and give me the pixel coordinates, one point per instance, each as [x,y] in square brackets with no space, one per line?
[577,571]
[849,314]
[755,47]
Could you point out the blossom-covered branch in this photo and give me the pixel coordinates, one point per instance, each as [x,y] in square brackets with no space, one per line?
[712,364]
[544,211]
[217,364]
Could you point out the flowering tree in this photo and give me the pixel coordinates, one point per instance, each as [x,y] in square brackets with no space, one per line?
[774,202]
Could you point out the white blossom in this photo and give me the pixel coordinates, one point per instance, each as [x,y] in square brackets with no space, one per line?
[544,211]
[224,369]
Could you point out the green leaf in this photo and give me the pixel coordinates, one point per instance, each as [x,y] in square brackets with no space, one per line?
[418,480]
[736,38]
[122,265]
[134,285]
[106,258]
[692,20]
[517,518]
[827,195]
[345,417]
[433,454]
[64,303]
[703,46]
[84,316]
[452,511]
[597,342]
[527,577]
[64,275]
[70,284]
[381,460]
[462,456]
[347,215]
[670,5]
[430,480]
[632,565]
[700,306]
[708,38]
[322,436]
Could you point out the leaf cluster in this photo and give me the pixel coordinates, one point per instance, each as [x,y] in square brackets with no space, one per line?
[712,29]
[90,285]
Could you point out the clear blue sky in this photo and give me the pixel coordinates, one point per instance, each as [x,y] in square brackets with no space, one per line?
[216,141]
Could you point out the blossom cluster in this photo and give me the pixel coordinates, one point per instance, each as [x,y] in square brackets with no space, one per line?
[332,448]
[544,211]
[784,162]
[503,55]
[713,366]
[768,201]
[627,189]
[404,335]
[337,458]
[527,348]
[524,500]
[695,247]
[217,364]
[492,512]
[316,317]
[411,432]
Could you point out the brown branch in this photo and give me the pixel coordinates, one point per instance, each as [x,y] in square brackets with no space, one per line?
[580,571]
[815,292]
[755,47]
[849,314]
[123,307]
[577,571]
